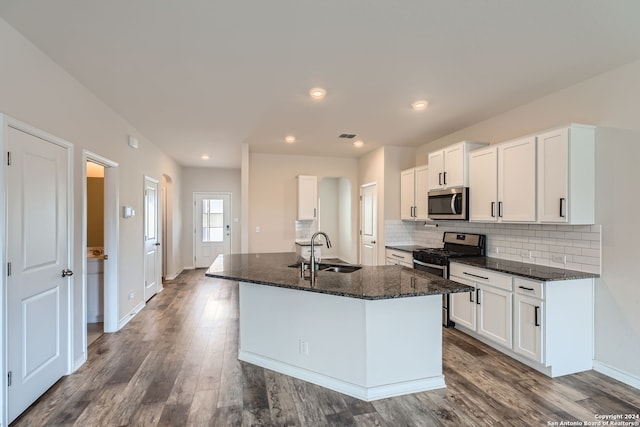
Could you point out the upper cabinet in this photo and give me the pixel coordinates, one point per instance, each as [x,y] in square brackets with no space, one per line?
[307,197]
[448,167]
[502,182]
[413,193]
[566,175]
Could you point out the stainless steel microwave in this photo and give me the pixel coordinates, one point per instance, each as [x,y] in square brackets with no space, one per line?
[452,203]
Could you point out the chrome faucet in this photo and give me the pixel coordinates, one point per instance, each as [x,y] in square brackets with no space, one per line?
[312,260]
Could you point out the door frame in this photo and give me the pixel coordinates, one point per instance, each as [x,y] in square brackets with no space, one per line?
[195,219]
[5,123]
[111,243]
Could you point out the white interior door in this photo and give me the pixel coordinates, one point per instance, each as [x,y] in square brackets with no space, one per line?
[152,264]
[38,279]
[369,224]
[212,227]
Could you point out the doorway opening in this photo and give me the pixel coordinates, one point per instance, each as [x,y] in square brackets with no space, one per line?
[100,243]
[95,251]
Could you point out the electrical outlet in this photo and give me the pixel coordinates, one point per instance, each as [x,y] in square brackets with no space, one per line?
[303,347]
[132,295]
[497,249]
[525,253]
[560,259]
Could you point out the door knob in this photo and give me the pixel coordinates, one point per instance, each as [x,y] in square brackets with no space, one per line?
[67,272]
[373,242]
[157,243]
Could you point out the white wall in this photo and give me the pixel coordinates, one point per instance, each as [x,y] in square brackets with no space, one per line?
[34,90]
[203,180]
[609,101]
[273,196]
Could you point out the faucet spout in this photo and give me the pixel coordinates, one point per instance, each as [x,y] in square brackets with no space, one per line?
[312,261]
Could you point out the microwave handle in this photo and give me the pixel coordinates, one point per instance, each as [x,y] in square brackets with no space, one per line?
[453,204]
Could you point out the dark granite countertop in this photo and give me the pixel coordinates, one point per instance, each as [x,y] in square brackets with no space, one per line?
[529,271]
[371,283]
[406,248]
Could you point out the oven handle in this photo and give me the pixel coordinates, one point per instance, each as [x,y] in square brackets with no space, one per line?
[424,264]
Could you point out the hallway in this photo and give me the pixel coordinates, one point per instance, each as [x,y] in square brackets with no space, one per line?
[176,364]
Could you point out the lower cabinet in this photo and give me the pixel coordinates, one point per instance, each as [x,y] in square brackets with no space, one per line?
[398,257]
[545,325]
[486,311]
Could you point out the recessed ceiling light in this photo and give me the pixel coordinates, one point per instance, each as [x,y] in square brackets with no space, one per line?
[358,143]
[205,157]
[290,139]
[317,93]
[420,105]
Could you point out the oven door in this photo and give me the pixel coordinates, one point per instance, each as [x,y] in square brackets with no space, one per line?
[438,270]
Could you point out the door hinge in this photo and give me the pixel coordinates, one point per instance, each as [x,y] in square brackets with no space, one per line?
[8,269]
[8,158]
[9,378]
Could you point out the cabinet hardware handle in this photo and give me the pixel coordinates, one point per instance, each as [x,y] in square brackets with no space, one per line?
[525,288]
[493,209]
[440,178]
[445,178]
[475,275]
[314,212]
[500,209]
[397,256]
[471,297]
[478,296]
[562,202]
[536,315]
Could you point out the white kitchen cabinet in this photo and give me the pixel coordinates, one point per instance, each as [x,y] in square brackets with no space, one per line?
[528,327]
[489,311]
[307,197]
[413,193]
[448,167]
[508,193]
[551,322]
[397,257]
[566,175]
[462,306]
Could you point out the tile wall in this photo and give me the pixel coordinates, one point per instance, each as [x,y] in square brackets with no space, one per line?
[552,245]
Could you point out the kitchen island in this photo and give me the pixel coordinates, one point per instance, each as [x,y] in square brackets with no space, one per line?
[371,334]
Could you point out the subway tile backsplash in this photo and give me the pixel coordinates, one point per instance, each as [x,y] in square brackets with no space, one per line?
[574,247]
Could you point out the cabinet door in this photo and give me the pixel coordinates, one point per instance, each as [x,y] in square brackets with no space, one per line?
[495,314]
[528,331]
[421,193]
[307,197]
[407,194]
[436,170]
[553,176]
[517,181]
[483,185]
[462,306]
[454,163]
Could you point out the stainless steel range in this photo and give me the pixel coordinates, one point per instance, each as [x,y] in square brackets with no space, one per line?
[436,260]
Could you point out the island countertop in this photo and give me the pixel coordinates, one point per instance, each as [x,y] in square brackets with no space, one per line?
[371,283]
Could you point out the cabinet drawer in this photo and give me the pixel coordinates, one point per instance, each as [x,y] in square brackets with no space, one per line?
[401,256]
[529,287]
[480,275]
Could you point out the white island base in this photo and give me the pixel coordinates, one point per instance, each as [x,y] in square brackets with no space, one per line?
[368,349]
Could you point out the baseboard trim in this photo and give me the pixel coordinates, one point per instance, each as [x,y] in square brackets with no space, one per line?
[130,315]
[173,276]
[616,374]
[359,392]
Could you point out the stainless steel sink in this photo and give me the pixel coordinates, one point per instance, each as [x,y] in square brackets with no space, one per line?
[334,268]
[341,268]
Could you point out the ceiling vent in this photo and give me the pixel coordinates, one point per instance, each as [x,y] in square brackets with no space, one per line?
[347,135]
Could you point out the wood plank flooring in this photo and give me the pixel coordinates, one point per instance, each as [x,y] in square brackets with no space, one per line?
[175,364]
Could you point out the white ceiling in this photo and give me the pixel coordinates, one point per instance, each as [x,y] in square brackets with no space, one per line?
[204,76]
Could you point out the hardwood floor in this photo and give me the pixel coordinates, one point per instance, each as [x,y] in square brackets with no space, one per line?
[176,364]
